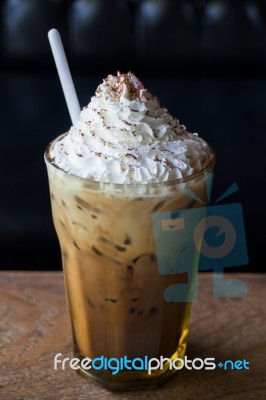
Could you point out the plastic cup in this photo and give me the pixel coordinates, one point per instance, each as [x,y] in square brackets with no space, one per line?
[114,290]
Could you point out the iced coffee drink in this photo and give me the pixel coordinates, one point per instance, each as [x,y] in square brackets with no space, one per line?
[124,160]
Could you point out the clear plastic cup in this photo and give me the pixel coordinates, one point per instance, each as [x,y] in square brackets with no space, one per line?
[114,290]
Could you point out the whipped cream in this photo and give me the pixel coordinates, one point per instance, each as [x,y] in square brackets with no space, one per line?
[125,136]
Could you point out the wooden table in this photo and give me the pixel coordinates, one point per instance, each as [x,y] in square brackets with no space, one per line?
[34,326]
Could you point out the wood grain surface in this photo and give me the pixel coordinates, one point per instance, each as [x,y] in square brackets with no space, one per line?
[34,326]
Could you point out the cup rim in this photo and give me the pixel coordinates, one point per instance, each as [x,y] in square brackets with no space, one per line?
[209,166]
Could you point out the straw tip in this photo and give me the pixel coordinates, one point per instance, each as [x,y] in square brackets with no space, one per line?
[52,32]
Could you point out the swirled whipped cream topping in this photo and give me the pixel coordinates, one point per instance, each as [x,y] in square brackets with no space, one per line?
[125,136]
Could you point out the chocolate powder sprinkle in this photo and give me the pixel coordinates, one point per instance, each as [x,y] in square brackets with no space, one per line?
[51,159]
[131,155]
[128,123]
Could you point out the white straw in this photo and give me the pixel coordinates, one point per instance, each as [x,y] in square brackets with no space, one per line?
[64,74]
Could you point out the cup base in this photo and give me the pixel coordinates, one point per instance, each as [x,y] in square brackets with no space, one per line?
[136,380]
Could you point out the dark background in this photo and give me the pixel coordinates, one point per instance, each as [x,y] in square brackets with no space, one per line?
[204,59]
